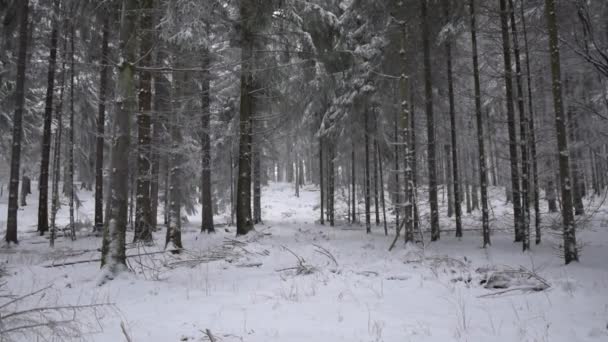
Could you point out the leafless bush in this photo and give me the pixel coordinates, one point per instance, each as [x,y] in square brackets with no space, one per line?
[30,317]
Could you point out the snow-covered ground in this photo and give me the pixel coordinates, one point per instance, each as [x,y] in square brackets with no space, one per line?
[254,292]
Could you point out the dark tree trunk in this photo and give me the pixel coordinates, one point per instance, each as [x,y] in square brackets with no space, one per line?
[244,222]
[101,119]
[321,181]
[375,179]
[57,146]
[483,174]
[257,172]
[368,226]
[523,131]
[569,230]
[113,248]
[330,185]
[532,143]
[70,176]
[13,204]
[506,47]
[430,122]
[575,159]
[207,208]
[353,198]
[381,173]
[143,226]
[43,212]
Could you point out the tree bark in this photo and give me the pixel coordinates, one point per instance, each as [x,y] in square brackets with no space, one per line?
[206,191]
[13,204]
[483,174]
[113,248]
[523,131]
[508,75]
[368,225]
[70,176]
[532,143]
[244,222]
[143,224]
[101,119]
[569,230]
[43,186]
[430,122]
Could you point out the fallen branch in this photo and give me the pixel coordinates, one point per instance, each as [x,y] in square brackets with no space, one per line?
[99,259]
[210,335]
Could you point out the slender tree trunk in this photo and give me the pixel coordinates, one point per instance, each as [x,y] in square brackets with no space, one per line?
[113,248]
[569,230]
[431,155]
[448,179]
[506,46]
[523,131]
[375,179]
[57,146]
[101,119]
[413,160]
[70,176]
[143,226]
[368,225]
[244,223]
[483,174]
[331,185]
[532,143]
[43,186]
[381,173]
[159,140]
[257,188]
[575,159]
[321,181]
[397,190]
[13,204]
[353,198]
[207,208]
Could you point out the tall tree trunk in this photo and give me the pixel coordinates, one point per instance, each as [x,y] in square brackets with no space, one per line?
[13,204]
[430,122]
[532,143]
[43,223]
[244,223]
[413,161]
[331,184]
[404,125]
[113,248]
[161,110]
[508,74]
[381,172]
[577,195]
[257,172]
[353,198]
[483,174]
[176,193]
[569,230]
[143,226]
[397,190]
[321,181]
[57,146]
[368,225]
[375,161]
[70,177]
[523,131]
[207,208]
[448,179]
[101,119]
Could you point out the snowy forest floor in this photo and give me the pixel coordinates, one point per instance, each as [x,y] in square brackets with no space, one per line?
[345,287]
